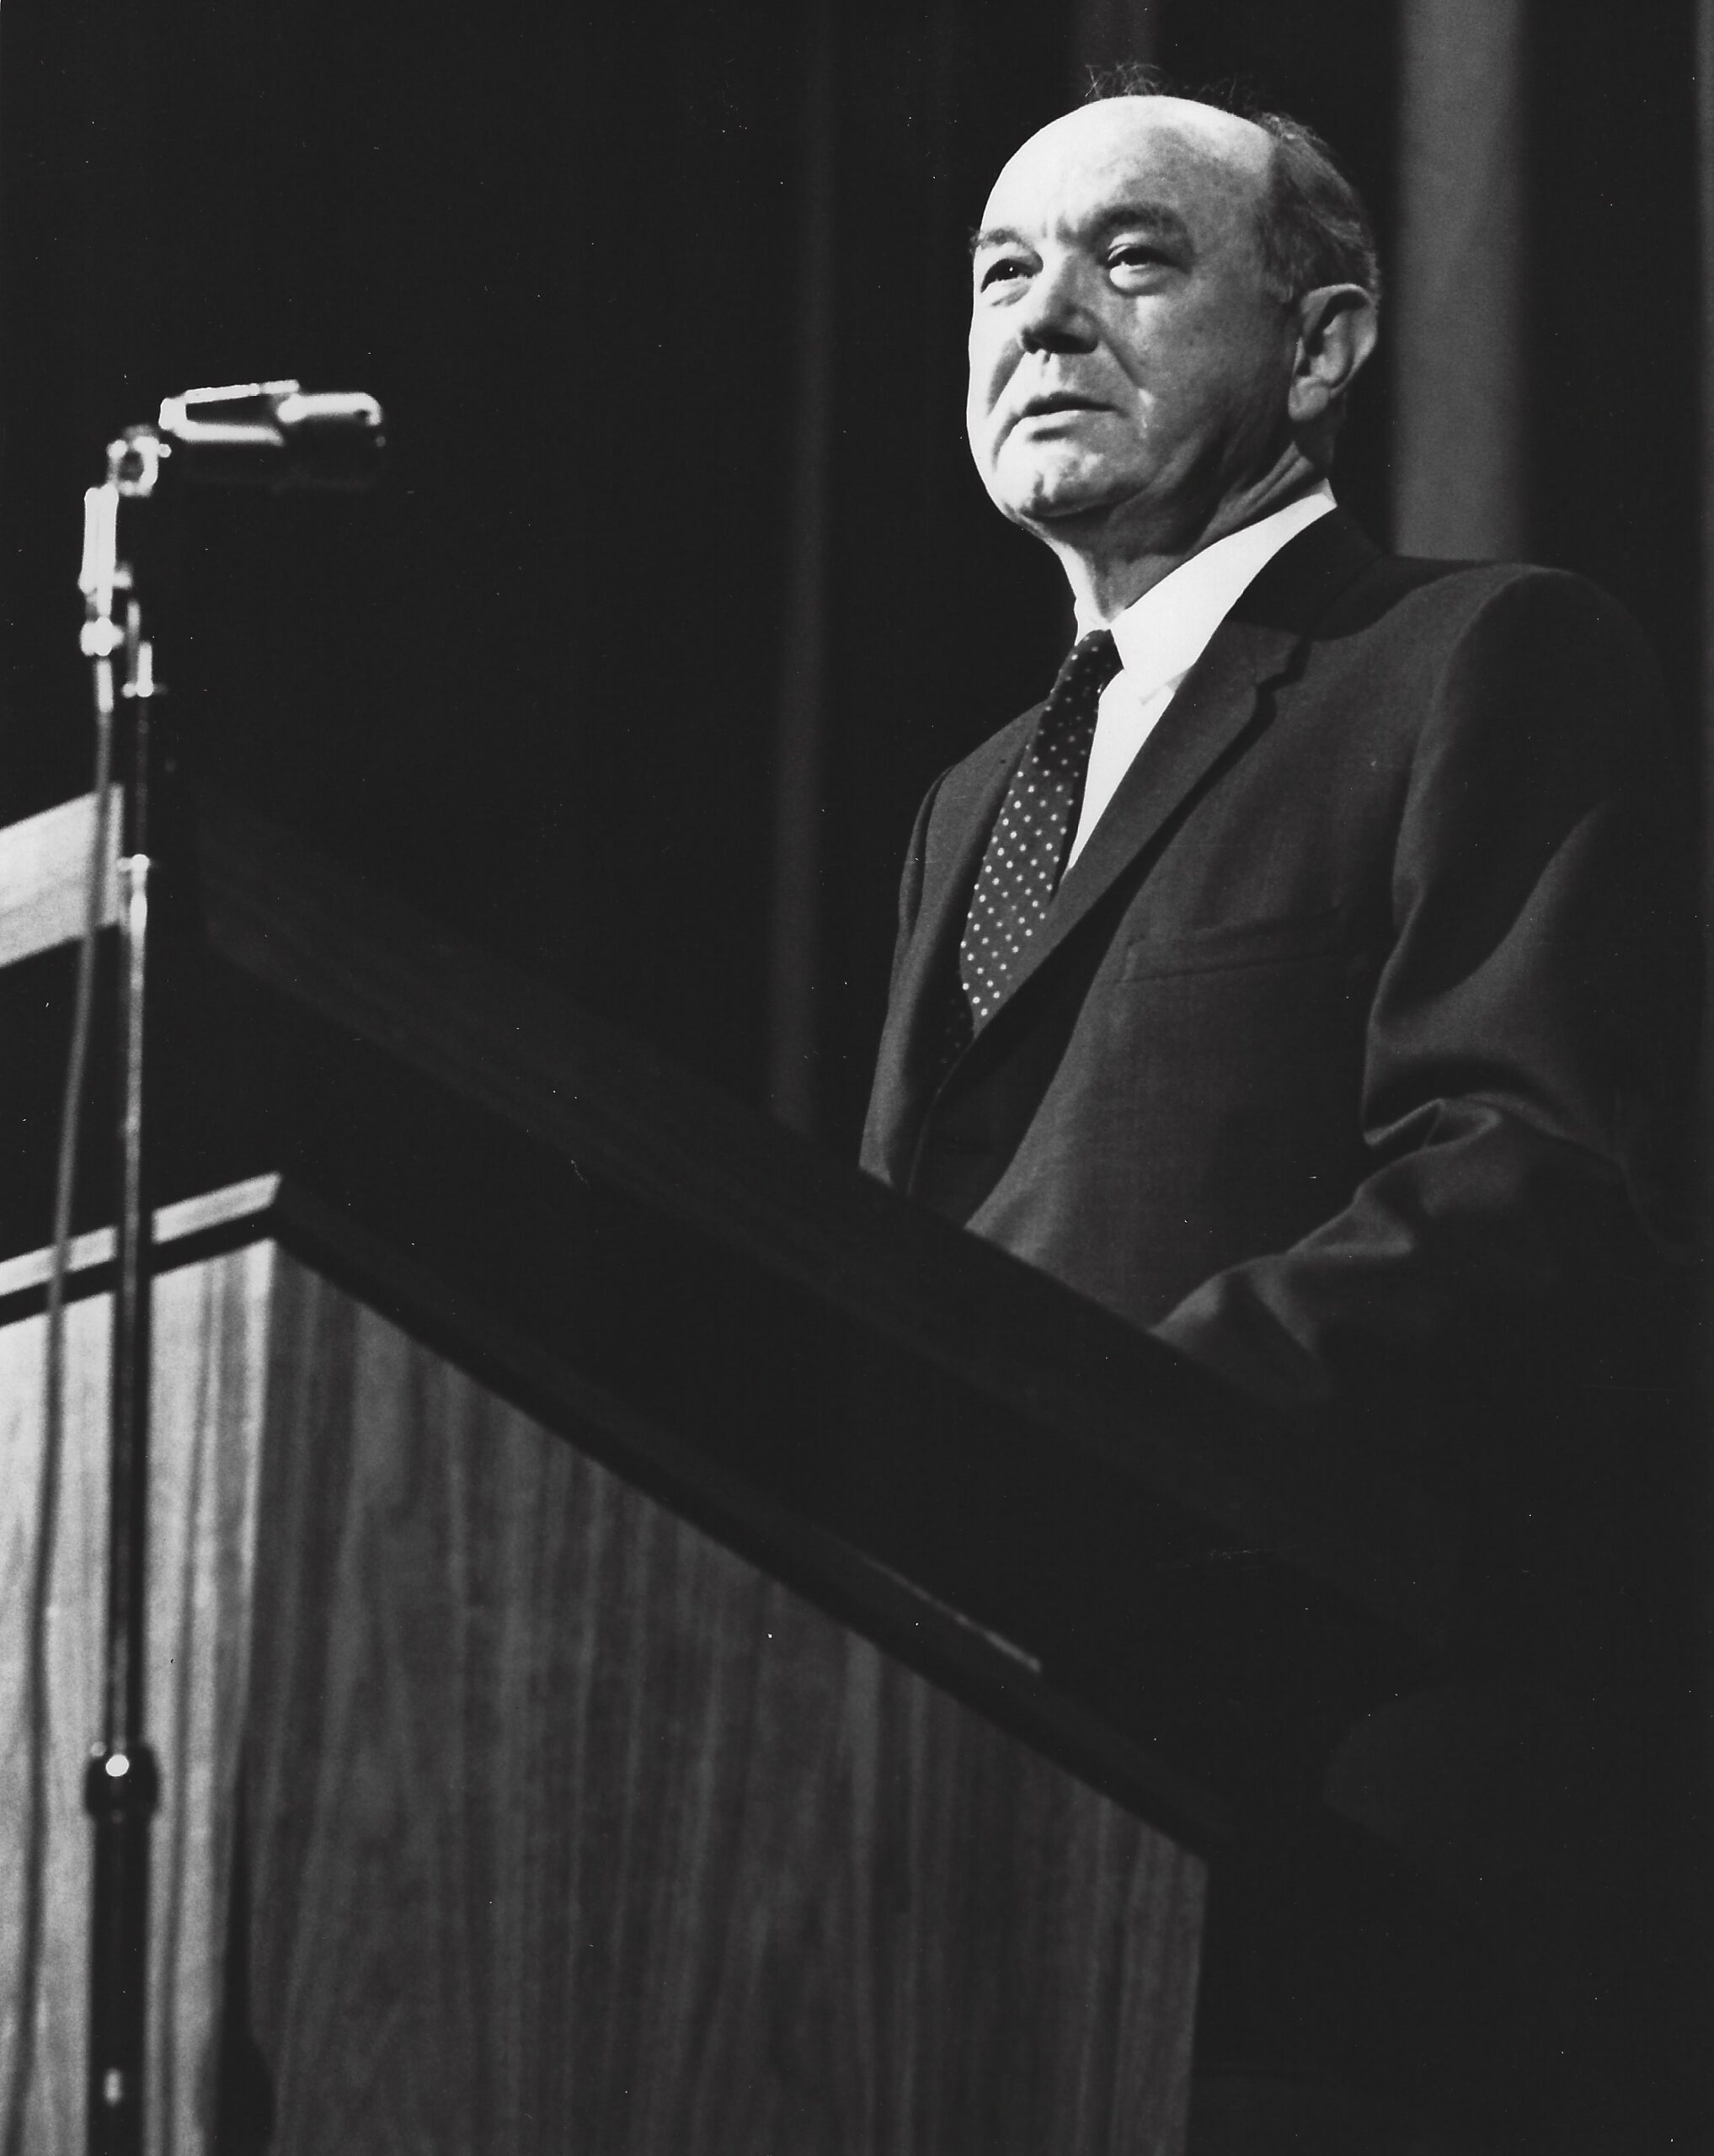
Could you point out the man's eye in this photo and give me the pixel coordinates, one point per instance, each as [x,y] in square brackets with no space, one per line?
[1135,254]
[1004,269]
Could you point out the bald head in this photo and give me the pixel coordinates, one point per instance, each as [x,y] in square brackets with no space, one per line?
[1140,379]
[1229,155]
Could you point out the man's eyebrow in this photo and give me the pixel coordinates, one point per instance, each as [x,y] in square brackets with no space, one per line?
[995,236]
[1155,217]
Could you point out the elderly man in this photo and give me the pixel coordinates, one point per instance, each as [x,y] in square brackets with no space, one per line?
[1298,980]
[1288,981]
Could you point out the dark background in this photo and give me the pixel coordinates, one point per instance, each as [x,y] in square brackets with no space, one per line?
[680,587]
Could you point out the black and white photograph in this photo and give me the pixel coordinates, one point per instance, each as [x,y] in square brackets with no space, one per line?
[854,1206]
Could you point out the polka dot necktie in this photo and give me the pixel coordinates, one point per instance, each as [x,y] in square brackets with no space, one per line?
[1027,849]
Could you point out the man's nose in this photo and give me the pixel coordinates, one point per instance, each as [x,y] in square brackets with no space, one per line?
[1055,315]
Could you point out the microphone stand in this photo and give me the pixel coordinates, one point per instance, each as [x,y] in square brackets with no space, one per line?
[121,1784]
[274,435]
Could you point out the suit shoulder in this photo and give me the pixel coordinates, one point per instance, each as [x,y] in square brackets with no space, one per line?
[1440,609]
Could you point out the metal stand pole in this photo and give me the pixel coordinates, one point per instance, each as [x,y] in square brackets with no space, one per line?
[121,1784]
[255,434]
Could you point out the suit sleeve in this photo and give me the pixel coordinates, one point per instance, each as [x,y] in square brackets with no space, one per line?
[1527,1044]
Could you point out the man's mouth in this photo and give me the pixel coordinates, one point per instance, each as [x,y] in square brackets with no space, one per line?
[1059,400]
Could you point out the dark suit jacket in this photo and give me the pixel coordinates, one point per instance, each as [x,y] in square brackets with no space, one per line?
[1345,1063]
[1341,1059]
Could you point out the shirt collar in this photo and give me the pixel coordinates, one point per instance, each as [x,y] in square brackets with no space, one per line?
[1162,635]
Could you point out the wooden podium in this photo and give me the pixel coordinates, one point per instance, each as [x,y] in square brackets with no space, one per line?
[656,1645]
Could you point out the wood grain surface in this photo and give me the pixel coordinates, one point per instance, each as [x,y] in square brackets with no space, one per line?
[570,1831]
[207,1408]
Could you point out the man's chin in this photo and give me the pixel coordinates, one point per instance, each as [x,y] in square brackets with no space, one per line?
[1058,504]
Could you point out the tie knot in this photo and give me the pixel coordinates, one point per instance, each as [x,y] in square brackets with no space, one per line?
[1087,668]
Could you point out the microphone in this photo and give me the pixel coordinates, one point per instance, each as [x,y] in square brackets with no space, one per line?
[270,433]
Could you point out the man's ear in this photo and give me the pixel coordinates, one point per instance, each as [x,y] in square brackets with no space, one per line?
[1335,333]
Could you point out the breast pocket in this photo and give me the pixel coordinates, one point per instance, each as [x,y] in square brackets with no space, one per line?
[1281,941]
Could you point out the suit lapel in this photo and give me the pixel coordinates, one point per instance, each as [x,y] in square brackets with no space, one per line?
[968,803]
[1259,642]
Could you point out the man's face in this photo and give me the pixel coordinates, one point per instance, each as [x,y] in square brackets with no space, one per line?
[1127,365]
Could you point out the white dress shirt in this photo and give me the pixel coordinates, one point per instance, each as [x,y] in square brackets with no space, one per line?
[1162,636]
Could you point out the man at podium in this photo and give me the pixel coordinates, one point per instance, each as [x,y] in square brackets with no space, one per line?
[1306,978]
